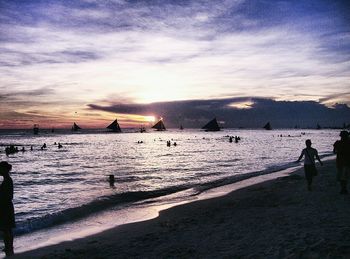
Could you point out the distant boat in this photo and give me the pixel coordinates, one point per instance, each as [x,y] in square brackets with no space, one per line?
[318,126]
[36,129]
[75,127]
[267,126]
[212,125]
[114,126]
[142,129]
[181,128]
[159,126]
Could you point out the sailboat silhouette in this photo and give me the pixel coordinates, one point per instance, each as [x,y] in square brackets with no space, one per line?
[267,126]
[159,126]
[75,127]
[114,126]
[212,125]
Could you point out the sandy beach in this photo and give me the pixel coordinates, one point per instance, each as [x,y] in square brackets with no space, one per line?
[274,219]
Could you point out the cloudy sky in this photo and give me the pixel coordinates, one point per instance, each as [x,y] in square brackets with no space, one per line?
[93,60]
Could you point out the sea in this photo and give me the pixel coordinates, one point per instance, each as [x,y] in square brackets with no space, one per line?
[56,186]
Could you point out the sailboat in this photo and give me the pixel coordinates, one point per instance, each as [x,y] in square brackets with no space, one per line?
[114,126]
[159,126]
[212,125]
[36,129]
[181,127]
[75,127]
[267,126]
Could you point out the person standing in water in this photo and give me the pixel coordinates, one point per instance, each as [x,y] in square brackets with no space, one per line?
[342,149]
[7,213]
[309,155]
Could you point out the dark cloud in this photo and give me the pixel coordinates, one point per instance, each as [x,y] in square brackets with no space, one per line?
[193,113]
[19,58]
[333,97]
[18,94]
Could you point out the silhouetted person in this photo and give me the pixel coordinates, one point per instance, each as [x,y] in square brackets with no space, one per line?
[175,144]
[31,148]
[309,154]
[44,146]
[111,180]
[23,149]
[168,143]
[59,145]
[11,150]
[230,139]
[7,214]
[342,149]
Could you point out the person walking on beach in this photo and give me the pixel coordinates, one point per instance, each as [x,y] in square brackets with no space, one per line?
[7,214]
[309,154]
[342,149]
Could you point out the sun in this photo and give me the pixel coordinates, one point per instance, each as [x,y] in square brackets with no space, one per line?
[150,118]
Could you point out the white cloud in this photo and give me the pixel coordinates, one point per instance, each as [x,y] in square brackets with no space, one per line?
[177,53]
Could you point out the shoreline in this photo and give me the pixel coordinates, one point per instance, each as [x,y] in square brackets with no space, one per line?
[274,219]
[135,212]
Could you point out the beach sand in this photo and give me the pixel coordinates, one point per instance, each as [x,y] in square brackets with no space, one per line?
[274,219]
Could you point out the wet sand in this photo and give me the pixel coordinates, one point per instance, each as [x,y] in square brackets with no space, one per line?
[274,219]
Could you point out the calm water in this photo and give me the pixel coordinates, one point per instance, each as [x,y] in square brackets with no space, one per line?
[57,185]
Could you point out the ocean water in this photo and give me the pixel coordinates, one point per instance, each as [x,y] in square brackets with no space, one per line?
[54,186]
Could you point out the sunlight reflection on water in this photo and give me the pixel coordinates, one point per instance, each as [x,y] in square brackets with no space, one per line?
[56,179]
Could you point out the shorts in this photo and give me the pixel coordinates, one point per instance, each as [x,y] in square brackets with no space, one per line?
[310,172]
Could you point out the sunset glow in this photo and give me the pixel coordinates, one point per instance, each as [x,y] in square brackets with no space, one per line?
[64,57]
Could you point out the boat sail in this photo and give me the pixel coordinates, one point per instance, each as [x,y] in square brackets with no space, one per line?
[75,127]
[267,126]
[212,125]
[159,126]
[114,126]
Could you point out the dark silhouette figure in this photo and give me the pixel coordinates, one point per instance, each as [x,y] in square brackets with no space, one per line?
[342,149]
[168,143]
[175,144]
[31,148]
[7,214]
[230,139]
[59,145]
[309,154]
[11,150]
[111,180]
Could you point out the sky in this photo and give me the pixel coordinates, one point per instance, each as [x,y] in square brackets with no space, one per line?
[92,61]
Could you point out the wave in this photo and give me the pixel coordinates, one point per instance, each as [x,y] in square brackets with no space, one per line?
[125,199]
[103,203]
